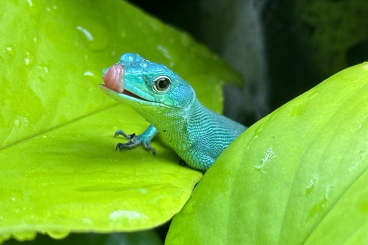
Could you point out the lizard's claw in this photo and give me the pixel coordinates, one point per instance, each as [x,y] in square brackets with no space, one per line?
[121,132]
[134,141]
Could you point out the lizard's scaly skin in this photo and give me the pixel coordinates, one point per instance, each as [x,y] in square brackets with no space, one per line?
[197,134]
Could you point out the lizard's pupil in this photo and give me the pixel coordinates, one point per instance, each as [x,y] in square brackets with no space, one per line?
[162,83]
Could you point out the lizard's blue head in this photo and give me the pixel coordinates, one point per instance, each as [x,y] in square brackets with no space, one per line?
[140,82]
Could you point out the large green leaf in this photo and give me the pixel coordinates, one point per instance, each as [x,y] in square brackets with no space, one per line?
[59,171]
[298,176]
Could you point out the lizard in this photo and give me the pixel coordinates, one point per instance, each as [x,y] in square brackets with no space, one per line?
[197,134]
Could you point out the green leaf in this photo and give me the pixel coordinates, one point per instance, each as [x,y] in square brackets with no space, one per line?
[298,176]
[59,171]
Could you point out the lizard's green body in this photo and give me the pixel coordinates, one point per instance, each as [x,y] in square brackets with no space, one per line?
[197,134]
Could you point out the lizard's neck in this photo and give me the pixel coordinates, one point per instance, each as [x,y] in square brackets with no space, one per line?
[197,134]
[173,124]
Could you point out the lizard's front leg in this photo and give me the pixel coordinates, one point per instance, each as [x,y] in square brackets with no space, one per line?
[143,139]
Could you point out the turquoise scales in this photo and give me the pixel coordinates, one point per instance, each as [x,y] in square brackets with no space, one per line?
[197,134]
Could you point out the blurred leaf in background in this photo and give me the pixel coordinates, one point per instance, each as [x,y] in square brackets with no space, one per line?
[133,238]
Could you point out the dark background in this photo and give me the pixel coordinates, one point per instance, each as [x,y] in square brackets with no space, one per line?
[305,41]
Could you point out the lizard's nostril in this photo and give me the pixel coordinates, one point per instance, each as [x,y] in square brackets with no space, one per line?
[114,78]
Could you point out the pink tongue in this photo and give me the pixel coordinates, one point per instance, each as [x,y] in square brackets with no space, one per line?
[114,78]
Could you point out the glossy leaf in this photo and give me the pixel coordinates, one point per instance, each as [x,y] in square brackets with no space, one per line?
[59,171]
[298,176]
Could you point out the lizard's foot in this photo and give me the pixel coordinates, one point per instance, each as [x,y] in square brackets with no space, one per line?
[134,141]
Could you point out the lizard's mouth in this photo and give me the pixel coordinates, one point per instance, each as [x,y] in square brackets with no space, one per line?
[114,80]
[126,92]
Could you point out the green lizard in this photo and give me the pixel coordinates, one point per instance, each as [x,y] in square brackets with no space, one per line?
[197,134]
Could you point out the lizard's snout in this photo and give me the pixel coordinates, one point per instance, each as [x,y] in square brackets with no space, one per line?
[114,78]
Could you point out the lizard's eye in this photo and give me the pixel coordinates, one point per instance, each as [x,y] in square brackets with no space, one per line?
[162,83]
